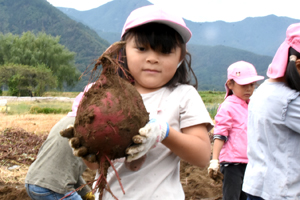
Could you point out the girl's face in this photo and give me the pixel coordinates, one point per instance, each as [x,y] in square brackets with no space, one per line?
[242,91]
[150,69]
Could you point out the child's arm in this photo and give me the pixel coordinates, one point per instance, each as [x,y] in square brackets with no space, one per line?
[218,144]
[193,146]
[214,165]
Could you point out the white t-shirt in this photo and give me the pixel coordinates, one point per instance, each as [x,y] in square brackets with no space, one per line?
[159,176]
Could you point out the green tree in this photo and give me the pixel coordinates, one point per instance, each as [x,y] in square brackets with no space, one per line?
[41,49]
[24,80]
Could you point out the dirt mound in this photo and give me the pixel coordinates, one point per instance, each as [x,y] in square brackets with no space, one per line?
[197,185]
[17,151]
[19,148]
[12,192]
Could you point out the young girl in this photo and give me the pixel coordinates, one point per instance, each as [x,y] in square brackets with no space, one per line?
[155,55]
[274,127]
[230,134]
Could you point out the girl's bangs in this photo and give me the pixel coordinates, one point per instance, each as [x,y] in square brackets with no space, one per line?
[159,37]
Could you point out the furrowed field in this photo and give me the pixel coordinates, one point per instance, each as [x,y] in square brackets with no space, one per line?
[25,126]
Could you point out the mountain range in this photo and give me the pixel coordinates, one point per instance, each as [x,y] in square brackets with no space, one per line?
[19,16]
[214,45]
[260,35]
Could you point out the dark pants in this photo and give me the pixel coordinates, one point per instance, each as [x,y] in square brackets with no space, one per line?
[233,181]
[250,197]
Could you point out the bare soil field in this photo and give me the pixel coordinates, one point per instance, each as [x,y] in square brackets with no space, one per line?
[22,135]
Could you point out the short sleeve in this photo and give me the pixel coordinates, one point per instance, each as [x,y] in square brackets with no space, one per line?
[193,110]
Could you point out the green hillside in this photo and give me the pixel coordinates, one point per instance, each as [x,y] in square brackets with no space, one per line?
[108,19]
[260,35]
[210,64]
[18,16]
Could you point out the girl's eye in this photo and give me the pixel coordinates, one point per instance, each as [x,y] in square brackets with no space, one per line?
[167,52]
[249,85]
[141,48]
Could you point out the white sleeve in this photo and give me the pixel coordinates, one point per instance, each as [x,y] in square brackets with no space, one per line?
[192,109]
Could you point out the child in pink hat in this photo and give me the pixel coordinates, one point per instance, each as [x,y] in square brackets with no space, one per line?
[230,134]
[273,170]
[156,58]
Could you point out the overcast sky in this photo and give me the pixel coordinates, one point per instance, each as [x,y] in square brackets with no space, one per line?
[207,10]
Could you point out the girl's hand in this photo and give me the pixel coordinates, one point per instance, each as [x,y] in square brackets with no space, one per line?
[213,168]
[154,131]
[214,171]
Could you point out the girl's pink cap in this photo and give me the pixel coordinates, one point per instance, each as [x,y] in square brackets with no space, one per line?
[279,63]
[242,73]
[77,101]
[152,13]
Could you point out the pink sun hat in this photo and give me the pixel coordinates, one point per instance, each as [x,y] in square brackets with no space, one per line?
[279,63]
[152,13]
[242,73]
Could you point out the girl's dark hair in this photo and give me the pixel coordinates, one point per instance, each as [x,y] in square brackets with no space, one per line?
[292,75]
[162,38]
[229,90]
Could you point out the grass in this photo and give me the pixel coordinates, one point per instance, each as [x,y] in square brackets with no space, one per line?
[212,109]
[52,94]
[212,100]
[61,94]
[46,107]
[38,110]
[209,97]
[34,107]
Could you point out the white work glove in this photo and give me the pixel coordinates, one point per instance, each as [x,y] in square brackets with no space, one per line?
[154,132]
[213,168]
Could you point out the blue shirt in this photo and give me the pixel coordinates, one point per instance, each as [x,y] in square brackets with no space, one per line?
[273,170]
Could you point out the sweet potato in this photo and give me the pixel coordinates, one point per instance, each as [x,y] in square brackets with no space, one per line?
[109,115]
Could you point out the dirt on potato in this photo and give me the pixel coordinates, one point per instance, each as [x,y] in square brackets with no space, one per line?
[14,161]
[112,111]
[109,115]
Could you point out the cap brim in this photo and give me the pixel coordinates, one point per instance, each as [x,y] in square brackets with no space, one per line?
[184,32]
[249,80]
